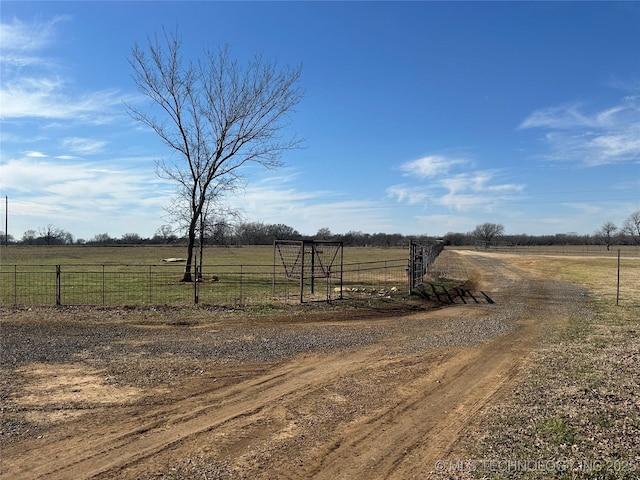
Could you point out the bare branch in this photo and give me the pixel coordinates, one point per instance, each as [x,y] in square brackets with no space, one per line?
[215,116]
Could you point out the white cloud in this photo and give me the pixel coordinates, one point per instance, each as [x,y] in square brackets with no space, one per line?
[32,85]
[50,98]
[83,146]
[430,166]
[611,135]
[562,117]
[33,154]
[411,195]
[73,182]
[84,198]
[278,200]
[19,38]
[478,190]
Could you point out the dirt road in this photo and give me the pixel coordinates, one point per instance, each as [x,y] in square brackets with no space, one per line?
[387,399]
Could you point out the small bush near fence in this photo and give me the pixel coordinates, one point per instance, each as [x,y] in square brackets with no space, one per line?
[84,284]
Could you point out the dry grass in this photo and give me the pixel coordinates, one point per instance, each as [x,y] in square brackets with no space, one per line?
[576,411]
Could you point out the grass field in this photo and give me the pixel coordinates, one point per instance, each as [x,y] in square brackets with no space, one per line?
[576,409]
[133,275]
[567,250]
[573,411]
[153,255]
[130,275]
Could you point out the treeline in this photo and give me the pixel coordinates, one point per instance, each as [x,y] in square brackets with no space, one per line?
[257,233]
[253,233]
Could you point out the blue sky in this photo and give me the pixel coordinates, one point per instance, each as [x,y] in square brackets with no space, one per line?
[419,117]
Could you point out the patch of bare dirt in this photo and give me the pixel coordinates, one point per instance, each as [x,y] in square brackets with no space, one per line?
[381,392]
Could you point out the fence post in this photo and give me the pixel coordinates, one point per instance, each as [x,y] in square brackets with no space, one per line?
[58,286]
[104,287]
[618,285]
[241,284]
[196,280]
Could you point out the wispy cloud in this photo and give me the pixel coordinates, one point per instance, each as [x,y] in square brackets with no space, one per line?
[409,194]
[22,41]
[33,154]
[83,146]
[277,199]
[447,187]
[38,175]
[33,85]
[50,98]
[610,135]
[430,166]
[73,192]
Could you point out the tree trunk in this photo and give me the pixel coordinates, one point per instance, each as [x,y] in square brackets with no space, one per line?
[187,268]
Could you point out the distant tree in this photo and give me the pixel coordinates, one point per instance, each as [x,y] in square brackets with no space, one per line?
[216,116]
[102,239]
[324,234]
[631,227]
[456,239]
[283,232]
[52,235]
[6,238]
[487,232]
[164,234]
[253,233]
[131,238]
[220,232]
[606,234]
[29,237]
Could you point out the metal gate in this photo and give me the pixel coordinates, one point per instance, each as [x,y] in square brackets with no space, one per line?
[421,257]
[316,267]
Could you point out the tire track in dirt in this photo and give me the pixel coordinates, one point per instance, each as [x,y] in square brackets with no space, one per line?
[407,439]
[416,424]
[130,440]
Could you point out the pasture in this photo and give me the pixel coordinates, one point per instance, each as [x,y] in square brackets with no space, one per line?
[576,403]
[546,373]
[137,275]
[153,254]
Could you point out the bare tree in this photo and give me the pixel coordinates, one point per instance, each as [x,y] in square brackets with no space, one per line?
[52,235]
[131,238]
[488,231]
[324,233]
[631,226]
[164,233]
[102,239]
[606,234]
[29,237]
[215,116]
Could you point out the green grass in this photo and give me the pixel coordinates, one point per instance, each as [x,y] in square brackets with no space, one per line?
[134,275]
[153,254]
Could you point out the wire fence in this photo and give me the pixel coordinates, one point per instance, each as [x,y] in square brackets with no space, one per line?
[109,284]
[564,250]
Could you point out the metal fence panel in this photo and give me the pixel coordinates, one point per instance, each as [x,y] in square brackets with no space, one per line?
[162,285]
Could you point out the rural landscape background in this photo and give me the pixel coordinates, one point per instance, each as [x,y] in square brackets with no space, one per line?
[360,240]
[540,381]
[418,118]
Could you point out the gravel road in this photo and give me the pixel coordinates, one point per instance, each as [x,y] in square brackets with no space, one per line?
[159,355]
